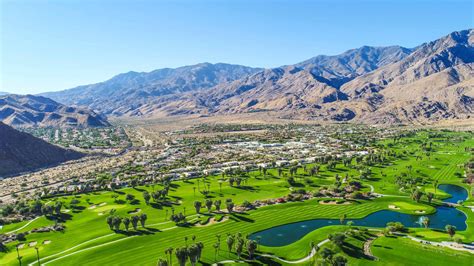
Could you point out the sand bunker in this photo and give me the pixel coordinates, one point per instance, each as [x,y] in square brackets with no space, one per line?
[66,210]
[213,221]
[393,207]
[92,207]
[419,211]
[137,210]
[103,203]
[100,213]
[32,244]
[20,245]
[46,242]
[333,202]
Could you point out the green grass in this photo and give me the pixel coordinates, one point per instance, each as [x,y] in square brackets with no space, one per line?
[86,226]
[403,251]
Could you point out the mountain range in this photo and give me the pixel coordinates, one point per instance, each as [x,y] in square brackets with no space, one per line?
[431,82]
[30,110]
[126,92]
[20,152]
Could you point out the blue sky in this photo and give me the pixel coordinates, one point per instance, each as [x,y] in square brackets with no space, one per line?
[59,44]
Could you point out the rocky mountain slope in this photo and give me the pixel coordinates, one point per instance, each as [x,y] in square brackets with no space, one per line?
[21,152]
[125,93]
[29,110]
[383,85]
[431,82]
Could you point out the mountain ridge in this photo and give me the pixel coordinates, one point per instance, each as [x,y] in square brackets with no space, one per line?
[21,152]
[31,110]
[392,84]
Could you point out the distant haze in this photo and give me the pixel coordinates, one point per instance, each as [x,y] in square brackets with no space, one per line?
[55,45]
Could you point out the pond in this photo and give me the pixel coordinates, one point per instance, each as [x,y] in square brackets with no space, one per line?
[286,234]
[457,193]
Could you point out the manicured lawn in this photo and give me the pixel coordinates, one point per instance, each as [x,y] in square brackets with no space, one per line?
[402,251]
[88,240]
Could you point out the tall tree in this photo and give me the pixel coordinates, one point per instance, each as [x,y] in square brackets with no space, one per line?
[197,206]
[143,218]
[230,206]
[251,248]
[217,203]
[230,242]
[126,223]
[209,205]
[451,230]
[181,255]
[135,220]
[146,197]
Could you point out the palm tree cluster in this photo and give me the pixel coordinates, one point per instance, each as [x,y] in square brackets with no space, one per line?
[179,218]
[115,221]
[191,252]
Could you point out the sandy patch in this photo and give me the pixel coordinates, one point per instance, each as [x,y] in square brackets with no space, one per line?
[137,210]
[100,213]
[32,244]
[393,207]
[66,210]
[46,242]
[103,203]
[420,211]
[213,221]
[92,207]
[333,202]
[20,245]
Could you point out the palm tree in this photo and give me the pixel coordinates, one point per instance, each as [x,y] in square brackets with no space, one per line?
[135,220]
[162,262]
[209,205]
[116,221]
[251,248]
[126,222]
[193,254]
[197,206]
[143,218]
[239,246]
[110,221]
[217,203]
[216,249]
[229,206]
[146,197]
[181,255]
[169,251]
[230,242]
[200,246]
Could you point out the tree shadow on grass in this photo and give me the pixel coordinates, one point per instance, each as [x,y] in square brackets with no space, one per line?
[239,217]
[174,186]
[354,251]
[264,261]
[177,197]
[135,202]
[156,205]
[139,189]
[248,188]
